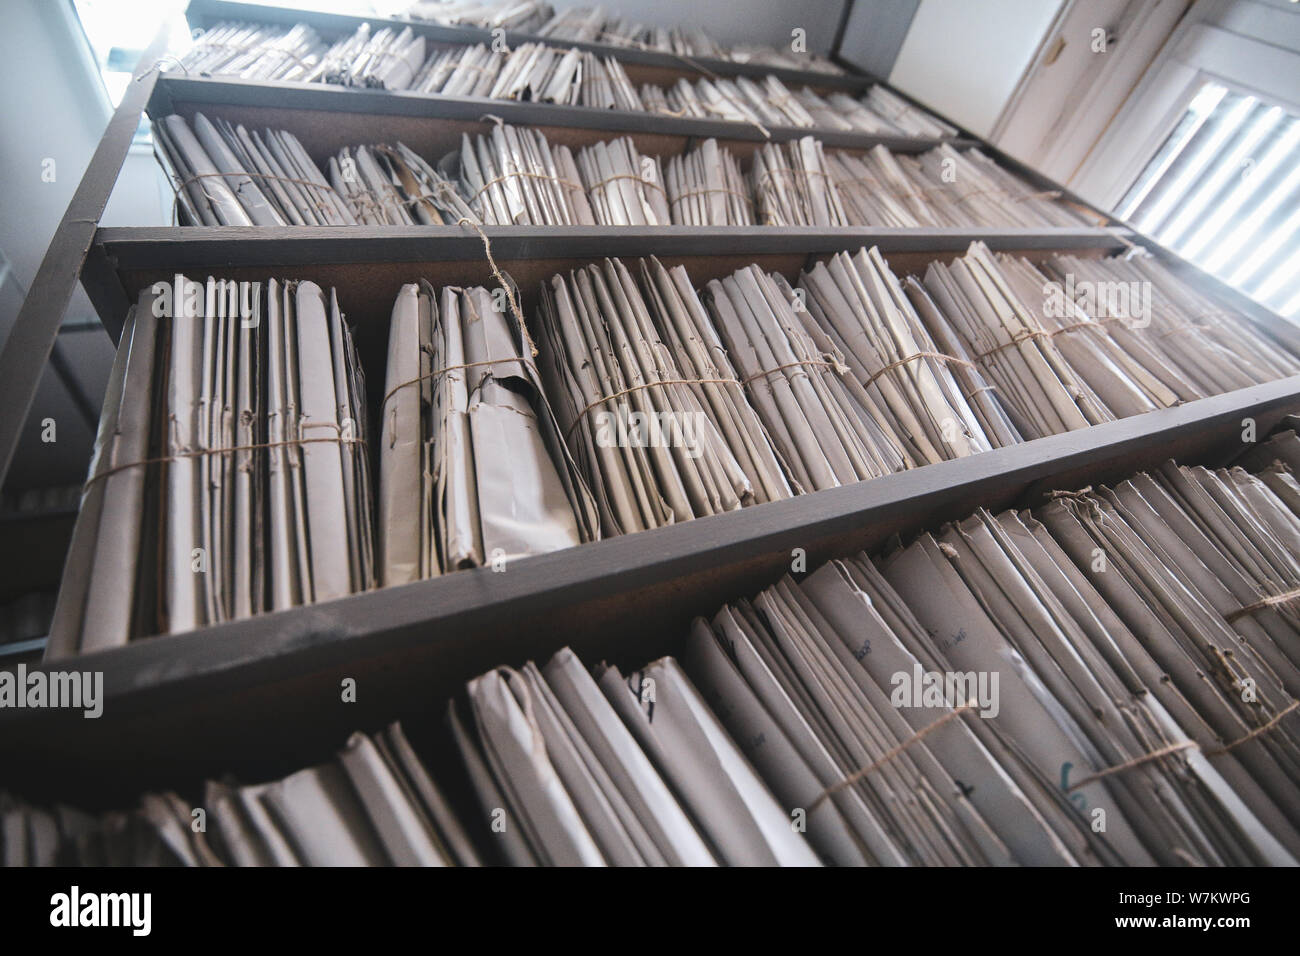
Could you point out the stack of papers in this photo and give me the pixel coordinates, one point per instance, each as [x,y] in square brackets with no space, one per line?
[473,468]
[592,771]
[827,430]
[374,805]
[706,188]
[624,187]
[522,15]
[645,395]
[1104,340]
[223,175]
[230,473]
[793,186]
[513,176]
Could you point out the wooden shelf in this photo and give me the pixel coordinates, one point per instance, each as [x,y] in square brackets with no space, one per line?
[327,117]
[190,703]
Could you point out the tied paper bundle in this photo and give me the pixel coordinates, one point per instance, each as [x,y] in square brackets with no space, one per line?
[592,771]
[387,60]
[739,100]
[513,176]
[623,187]
[375,804]
[1042,393]
[706,188]
[523,15]
[473,467]
[827,430]
[942,187]
[234,432]
[904,117]
[1201,571]
[969,188]
[1103,340]
[392,186]
[839,111]
[858,302]
[1189,342]
[648,401]
[257,52]
[223,175]
[875,191]
[793,186]
[1083,706]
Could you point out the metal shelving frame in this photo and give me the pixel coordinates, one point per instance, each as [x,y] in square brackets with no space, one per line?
[183,706]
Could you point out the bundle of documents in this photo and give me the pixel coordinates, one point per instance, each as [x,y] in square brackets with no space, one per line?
[513,176]
[706,188]
[391,185]
[623,187]
[907,119]
[1064,354]
[793,186]
[374,805]
[223,175]
[473,467]
[522,15]
[532,72]
[738,100]
[612,771]
[860,305]
[257,51]
[1196,347]
[388,59]
[827,430]
[652,408]
[230,473]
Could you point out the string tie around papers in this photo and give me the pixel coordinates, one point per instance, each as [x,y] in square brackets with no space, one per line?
[1258,731]
[526,174]
[937,356]
[604,183]
[176,188]
[1024,336]
[509,287]
[791,171]
[636,388]
[681,197]
[339,439]
[450,368]
[836,367]
[1284,598]
[891,753]
[1135,762]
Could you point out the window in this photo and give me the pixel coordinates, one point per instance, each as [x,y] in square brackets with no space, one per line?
[1223,191]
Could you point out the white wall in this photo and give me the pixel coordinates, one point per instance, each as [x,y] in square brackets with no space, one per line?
[963,58]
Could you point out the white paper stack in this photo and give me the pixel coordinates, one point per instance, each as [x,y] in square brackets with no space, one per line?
[826,428]
[624,187]
[230,475]
[473,468]
[575,770]
[223,175]
[514,177]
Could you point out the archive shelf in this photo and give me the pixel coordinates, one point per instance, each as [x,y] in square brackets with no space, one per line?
[642,66]
[261,695]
